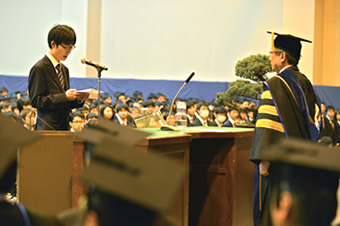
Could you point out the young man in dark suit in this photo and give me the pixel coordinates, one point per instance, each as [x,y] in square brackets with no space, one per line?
[203,111]
[123,116]
[49,82]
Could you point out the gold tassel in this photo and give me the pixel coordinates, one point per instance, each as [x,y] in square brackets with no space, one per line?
[272,46]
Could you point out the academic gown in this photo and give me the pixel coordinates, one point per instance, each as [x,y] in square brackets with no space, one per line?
[289,108]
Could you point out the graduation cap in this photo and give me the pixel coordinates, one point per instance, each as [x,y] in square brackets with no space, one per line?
[288,43]
[303,153]
[110,130]
[12,135]
[146,181]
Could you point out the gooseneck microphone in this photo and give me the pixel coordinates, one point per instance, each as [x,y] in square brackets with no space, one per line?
[93,64]
[175,128]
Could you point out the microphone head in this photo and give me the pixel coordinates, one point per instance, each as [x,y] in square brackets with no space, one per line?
[190,77]
[82,60]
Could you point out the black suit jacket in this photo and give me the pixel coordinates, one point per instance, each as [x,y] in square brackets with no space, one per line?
[130,122]
[227,124]
[47,95]
[328,131]
[197,122]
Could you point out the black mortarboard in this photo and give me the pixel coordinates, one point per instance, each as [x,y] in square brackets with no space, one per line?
[287,43]
[147,180]
[12,135]
[110,130]
[303,153]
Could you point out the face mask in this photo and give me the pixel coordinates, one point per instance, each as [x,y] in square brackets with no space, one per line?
[221,118]
[204,114]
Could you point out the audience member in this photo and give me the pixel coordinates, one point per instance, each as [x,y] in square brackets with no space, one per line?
[161,97]
[191,109]
[28,117]
[135,112]
[220,116]
[123,116]
[107,98]
[3,91]
[329,125]
[232,118]
[77,121]
[107,112]
[203,114]
[149,107]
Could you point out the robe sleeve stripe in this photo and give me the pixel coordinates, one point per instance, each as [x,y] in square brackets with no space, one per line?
[269,124]
[267,109]
[266,95]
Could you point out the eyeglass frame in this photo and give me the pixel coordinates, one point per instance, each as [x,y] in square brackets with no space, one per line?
[275,52]
[67,48]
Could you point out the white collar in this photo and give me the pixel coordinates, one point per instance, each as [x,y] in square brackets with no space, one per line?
[52,59]
[285,68]
[218,123]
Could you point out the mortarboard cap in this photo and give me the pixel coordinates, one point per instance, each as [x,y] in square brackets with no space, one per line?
[12,135]
[303,153]
[109,130]
[289,43]
[147,180]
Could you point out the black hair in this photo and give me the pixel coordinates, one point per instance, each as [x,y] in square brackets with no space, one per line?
[3,89]
[150,96]
[25,112]
[202,103]
[329,107]
[148,103]
[91,115]
[160,95]
[313,191]
[122,106]
[220,110]
[101,111]
[61,34]
[77,113]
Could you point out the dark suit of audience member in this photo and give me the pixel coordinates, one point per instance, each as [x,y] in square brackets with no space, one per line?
[197,122]
[228,123]
[130,122]
[329,127]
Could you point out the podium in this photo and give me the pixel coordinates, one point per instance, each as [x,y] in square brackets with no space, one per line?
[218,190]
[48,170]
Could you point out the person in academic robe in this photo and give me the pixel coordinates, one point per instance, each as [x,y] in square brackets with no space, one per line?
[49,82]
[289,108]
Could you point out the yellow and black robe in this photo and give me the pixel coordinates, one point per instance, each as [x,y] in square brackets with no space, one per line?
[289,108]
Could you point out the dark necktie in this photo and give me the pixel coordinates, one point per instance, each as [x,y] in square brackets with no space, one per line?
[60,76]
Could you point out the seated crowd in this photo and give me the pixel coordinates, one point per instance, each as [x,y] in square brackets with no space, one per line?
[134,111]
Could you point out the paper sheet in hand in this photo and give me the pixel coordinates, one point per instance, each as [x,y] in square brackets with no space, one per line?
[93,94]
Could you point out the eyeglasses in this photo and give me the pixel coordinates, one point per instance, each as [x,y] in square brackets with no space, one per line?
[78,122]
[275,52]
[68,47]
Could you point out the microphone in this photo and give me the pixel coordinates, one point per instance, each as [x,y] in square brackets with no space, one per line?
[93,64]
[176,128]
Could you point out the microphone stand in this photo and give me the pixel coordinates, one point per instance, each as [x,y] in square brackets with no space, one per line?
[99,70]
[167,127]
